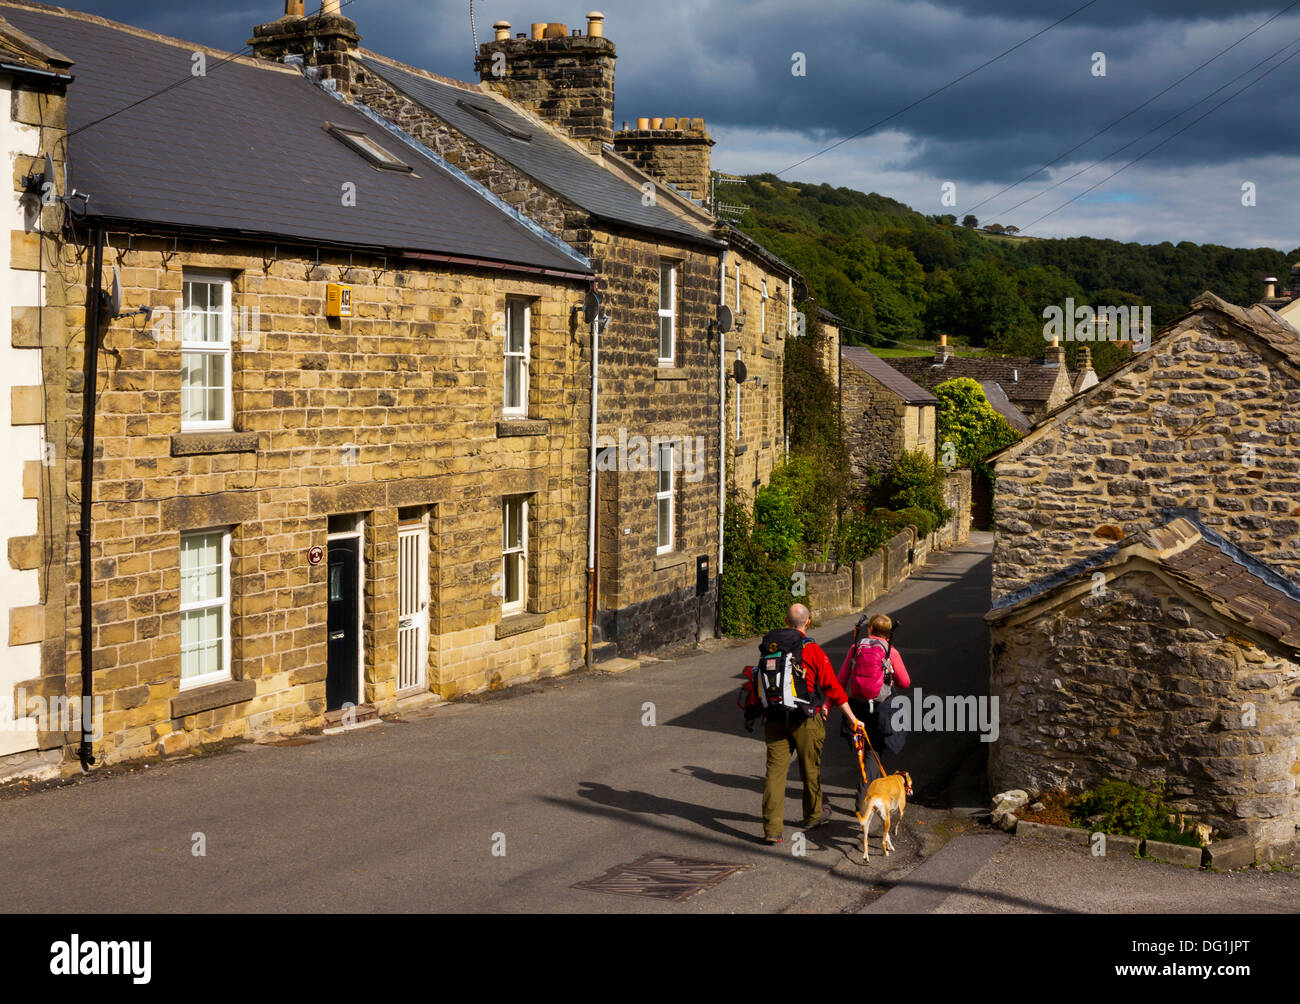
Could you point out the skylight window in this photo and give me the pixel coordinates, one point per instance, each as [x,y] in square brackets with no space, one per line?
[360,143]
[485,114]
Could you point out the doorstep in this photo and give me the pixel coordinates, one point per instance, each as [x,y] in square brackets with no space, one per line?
[345,720]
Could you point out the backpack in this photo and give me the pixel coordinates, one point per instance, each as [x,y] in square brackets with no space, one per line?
[869,669]
[779,681]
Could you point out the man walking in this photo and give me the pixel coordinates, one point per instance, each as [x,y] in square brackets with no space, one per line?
[801,730]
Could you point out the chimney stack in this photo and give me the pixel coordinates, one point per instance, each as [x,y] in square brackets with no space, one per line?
[943,353]
[1055,355]
[566,79]
[323,42]
[671,150]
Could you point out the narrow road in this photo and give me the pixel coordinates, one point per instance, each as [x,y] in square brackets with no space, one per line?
[502,805]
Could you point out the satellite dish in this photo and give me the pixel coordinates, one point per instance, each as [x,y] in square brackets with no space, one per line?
[738,371]
[49,170]
[726,319]
[115,298]
[591,306]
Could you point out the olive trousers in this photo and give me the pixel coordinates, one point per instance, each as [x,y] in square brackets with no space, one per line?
[803,738]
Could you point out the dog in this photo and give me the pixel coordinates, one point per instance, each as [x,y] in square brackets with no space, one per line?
[884,795]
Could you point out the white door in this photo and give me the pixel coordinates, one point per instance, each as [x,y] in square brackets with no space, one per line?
[413,605]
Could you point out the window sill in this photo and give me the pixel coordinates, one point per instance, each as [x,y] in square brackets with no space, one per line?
[514,624]
[508,427]
[670,559]
[215,695]
[197,444]
[670,373]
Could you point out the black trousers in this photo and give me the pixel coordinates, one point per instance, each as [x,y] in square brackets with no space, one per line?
[869,718]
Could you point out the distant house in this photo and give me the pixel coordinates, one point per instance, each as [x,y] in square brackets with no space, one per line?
[1286,301]
[1034,385]
[882,413]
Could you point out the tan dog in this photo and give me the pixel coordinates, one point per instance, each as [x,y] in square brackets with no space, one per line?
[884,795]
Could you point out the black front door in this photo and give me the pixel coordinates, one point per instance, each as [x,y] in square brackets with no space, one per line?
[344,623]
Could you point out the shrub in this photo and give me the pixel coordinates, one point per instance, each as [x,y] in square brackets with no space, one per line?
[754,593]
[1132,811]
[778,525]
[916,482]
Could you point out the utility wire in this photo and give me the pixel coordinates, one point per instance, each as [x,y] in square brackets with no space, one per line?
[247,50]
[939,90]
[1153,149]
[1135,110]
[1153,129]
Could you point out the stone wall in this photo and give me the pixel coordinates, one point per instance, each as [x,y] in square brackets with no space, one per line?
[1138,684]
[1204,421]
[957,497]
[830,588]
[397,407]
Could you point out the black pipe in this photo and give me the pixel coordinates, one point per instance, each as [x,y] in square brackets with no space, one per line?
[91,379]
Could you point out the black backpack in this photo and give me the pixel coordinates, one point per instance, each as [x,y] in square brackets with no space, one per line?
[781,681]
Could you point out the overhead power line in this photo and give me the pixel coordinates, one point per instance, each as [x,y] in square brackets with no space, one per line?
[1184,129]
[1133,111]
[939,90]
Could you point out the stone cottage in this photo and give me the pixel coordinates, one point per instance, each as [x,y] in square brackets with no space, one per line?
[33,88]
[1200,426]
[340,411]
[538,131]
[882,413]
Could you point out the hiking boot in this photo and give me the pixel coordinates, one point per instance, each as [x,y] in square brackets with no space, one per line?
[771,841]
[825,818]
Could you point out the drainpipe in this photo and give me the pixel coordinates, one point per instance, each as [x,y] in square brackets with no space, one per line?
[86,751]
[594,321]
[722,430]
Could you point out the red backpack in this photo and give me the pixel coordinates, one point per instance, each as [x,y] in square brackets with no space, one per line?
[868,668]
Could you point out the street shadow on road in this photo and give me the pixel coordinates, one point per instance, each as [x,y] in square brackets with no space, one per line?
[706,816]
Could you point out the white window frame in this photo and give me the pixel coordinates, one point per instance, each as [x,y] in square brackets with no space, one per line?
[668,494]
[526,309]
[223,673]
[520,605]
[224,349]
[669,312]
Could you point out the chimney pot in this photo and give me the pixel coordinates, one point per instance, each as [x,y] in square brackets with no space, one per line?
[330,8]
[670,123]
[595,24]
[555,30]
[538,29]
[293,8]
[697,125]
[943,339]
[643,124]
[502,29]
[656,123]
[1270,287]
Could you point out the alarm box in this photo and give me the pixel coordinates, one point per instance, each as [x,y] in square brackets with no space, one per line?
[338,300]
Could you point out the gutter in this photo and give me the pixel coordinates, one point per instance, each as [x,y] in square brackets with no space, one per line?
[86,751]
[451,259]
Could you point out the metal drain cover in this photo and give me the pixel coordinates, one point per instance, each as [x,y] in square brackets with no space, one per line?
[662,876]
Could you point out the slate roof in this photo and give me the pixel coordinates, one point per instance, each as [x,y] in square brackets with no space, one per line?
[1237,585]
[1027,382]
[1003,406]
[871,364]
[20,52]
[243,149]
[545,155]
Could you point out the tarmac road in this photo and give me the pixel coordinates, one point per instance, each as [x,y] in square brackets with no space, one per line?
[562,781]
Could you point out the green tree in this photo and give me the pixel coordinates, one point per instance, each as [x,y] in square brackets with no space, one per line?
[969,423]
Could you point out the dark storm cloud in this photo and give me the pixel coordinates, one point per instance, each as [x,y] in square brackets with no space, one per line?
[731,63]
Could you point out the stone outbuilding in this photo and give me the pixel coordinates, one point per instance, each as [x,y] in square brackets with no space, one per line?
[1172,656]
[883,414]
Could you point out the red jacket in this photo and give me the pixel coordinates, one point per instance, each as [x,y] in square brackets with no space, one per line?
[823,675]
